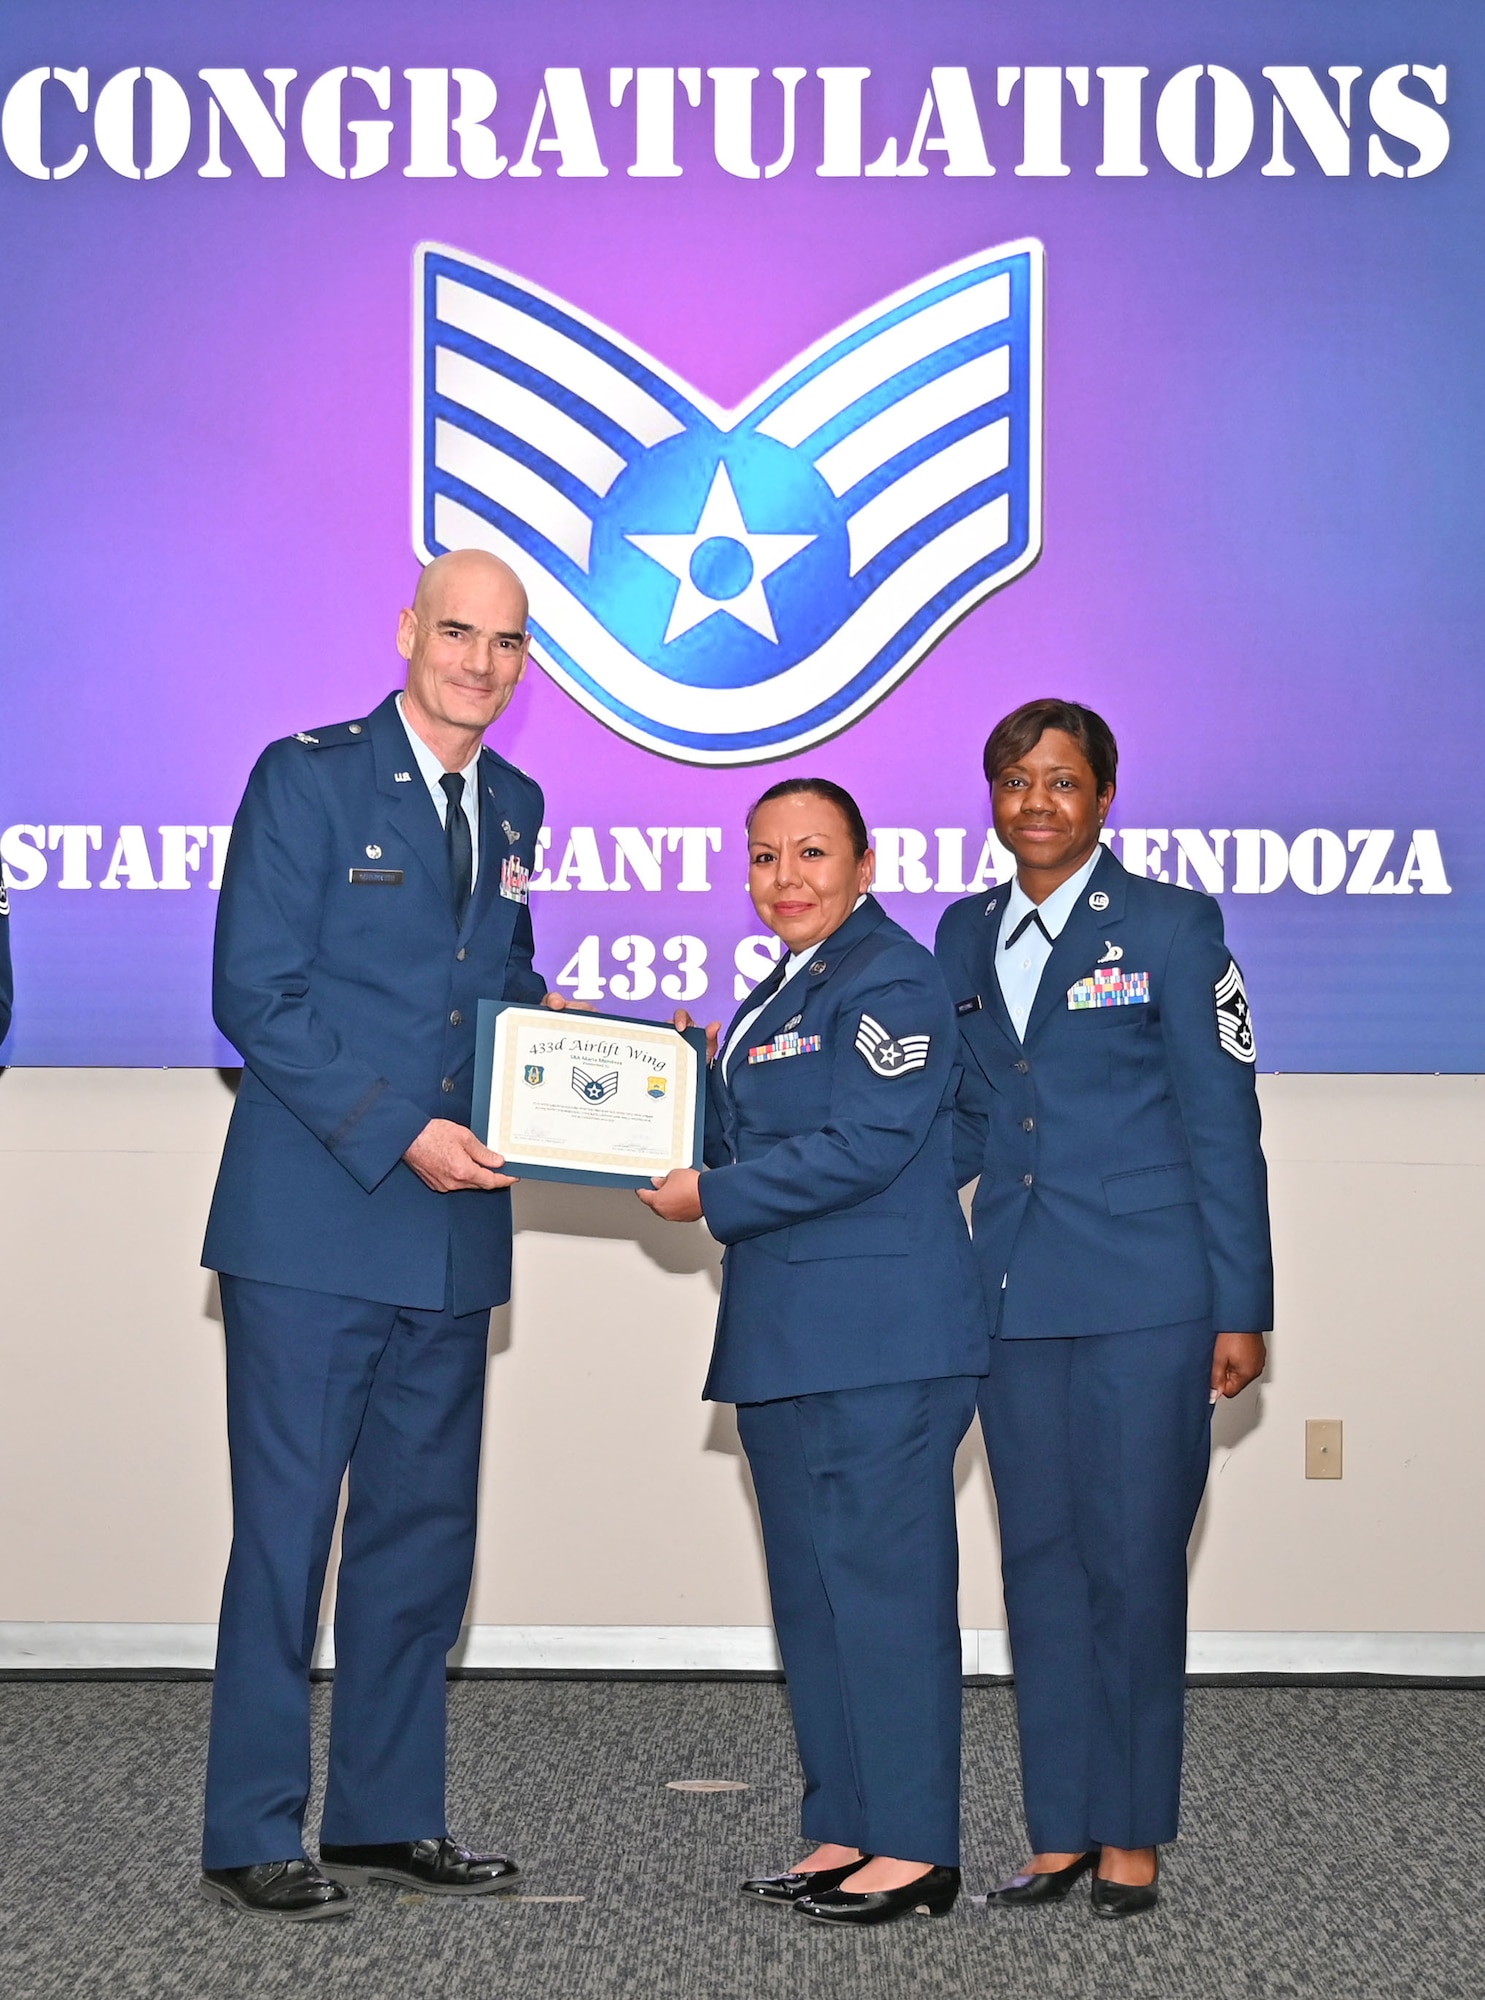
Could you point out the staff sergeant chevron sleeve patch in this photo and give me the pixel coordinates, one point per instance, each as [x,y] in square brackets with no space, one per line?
[1234,1016]
[890,1055]
[726,586]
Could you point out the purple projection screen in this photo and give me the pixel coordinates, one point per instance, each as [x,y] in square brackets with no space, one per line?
[837,377]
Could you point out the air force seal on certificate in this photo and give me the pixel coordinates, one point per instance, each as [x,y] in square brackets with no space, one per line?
[1234,1016]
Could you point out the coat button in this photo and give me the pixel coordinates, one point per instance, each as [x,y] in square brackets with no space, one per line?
[1027,1179]
[1028,1124]
[448,1084]
[462,952]
[1023,1067]
[456,1020]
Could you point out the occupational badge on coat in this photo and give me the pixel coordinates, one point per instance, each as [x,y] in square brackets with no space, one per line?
[783,1045]
[595,1086]
[515,880]
[1112,952]
[656,1086]
[533,1074]
[792,1022]
[1235,1016]
[1110,988]
[890,1055]
[512,834]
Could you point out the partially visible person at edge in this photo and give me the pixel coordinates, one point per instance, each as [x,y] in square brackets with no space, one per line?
[7,989]
[851,1335]
[375,891]
[1121,1228]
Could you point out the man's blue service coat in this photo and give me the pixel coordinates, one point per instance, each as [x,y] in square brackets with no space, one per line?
[1121,1179]
[830,1143]
[344,980]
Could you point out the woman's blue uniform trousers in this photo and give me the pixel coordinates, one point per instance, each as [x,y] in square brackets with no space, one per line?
[1099,1450]
[317,1383]
[856,1495]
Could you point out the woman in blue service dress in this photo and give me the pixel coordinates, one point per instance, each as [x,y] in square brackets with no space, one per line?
[1121,1229]
[851,1335]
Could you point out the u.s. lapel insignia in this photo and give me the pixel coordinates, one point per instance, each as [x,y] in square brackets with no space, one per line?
[992,906]
[1112,952]
[818,966]
[402,777]
[373,853]
[1099,900]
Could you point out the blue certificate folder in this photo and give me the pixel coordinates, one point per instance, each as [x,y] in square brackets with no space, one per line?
[484,1062]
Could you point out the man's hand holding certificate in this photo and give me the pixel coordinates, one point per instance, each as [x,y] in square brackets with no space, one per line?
[594,1098]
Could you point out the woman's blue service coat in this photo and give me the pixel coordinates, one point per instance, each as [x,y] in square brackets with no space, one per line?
[832,1182]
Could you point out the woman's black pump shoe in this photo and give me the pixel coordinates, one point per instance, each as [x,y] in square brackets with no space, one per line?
[932,1895]
[798,1883]
[1124,1899]
[1052,1887]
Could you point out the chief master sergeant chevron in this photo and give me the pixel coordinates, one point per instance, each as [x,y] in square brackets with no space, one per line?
[375,891]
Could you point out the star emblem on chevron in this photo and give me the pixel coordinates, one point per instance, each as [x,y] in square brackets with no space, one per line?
[727,586]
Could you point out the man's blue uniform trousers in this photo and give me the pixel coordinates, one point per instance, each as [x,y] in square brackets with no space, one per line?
[316,1383]
[856,1496]
[1098,1449]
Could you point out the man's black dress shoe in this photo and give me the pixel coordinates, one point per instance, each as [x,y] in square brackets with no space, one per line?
[796,1884]
[291,1891]
[1123,1899]
[1049,1888]
[438,1867]
[932,1895]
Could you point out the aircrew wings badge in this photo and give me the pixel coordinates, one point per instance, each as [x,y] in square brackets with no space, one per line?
[726,586]
[1234,1016]
[890,1055]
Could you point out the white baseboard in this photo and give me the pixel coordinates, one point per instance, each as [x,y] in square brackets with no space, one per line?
[740,1649]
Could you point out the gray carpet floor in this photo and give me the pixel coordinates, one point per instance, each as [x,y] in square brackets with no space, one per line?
[1331,1848]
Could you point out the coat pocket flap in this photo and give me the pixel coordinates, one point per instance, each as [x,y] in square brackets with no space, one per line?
[1149,1187]
[848,1236]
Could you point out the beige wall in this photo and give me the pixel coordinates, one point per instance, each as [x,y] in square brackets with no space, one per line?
[612,1495]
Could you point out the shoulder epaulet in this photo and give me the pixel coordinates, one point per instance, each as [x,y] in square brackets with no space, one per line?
[506,765]
[332,735]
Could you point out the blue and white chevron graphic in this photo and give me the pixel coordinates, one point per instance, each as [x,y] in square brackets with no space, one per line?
[729,586]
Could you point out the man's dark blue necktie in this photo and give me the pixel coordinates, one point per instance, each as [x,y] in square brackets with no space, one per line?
[457,843]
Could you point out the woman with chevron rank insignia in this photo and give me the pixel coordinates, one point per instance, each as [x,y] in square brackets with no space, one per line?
[851,1336]
[1107,1111]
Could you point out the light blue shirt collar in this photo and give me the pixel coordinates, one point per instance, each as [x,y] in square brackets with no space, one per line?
[1019,968]
[432,773]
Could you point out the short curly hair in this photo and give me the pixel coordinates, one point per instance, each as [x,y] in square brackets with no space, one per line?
[1025,726]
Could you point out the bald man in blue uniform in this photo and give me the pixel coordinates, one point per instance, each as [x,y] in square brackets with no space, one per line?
[375,892]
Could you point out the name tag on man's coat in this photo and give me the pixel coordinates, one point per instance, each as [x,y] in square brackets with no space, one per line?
[1109,987]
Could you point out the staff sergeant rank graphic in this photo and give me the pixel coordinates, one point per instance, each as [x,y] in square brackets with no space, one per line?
[729,586]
